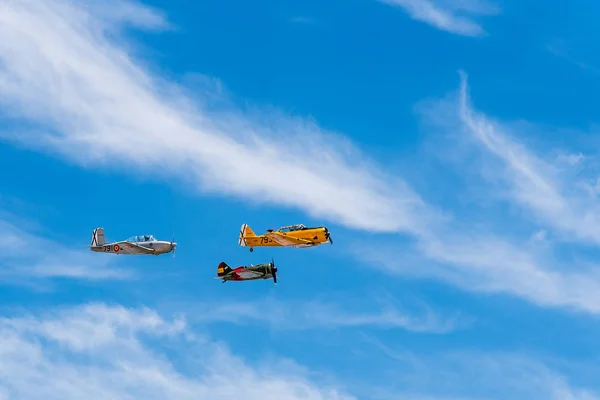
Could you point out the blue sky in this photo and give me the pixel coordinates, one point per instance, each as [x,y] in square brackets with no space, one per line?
[450,147]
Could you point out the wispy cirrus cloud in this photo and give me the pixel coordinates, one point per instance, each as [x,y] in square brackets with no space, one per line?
[29,258]
[69,353]
[495,264]
[455,16]
[473,374]
[498,252]
[534,183]
[559,51]
[88,100]
[318,314]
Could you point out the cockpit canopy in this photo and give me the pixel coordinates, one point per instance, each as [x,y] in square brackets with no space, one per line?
[145,238]
[290,228]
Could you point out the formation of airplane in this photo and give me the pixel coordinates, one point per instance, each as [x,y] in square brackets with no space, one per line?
[296,236]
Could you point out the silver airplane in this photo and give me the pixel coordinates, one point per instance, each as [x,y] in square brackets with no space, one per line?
[135,245]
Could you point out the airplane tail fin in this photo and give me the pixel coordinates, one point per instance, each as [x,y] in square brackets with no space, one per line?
[245,232]
[223,269]
[98,237]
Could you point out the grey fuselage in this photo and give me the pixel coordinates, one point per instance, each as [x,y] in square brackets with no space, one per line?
[158,247]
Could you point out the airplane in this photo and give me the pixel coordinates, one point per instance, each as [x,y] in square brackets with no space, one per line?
[247,273]
[135,245]
[288,236]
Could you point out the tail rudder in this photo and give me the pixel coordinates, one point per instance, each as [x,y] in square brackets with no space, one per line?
[223,269]
[245,232]
[98,237]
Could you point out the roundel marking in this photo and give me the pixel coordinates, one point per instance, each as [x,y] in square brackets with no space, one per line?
[116,248]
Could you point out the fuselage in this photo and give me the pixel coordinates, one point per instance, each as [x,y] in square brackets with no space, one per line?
[316,237]
[127,248]
[261,271]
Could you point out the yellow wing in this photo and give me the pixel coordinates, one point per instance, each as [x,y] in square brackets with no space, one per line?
[285,240]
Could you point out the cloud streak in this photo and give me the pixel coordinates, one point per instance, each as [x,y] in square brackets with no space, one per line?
[30,259]
[491,264]
[69,353]
[466,374]
[322,314]
[535,184]
[454,16]
[102,352]
[468,253]
[88,100]
[558,51]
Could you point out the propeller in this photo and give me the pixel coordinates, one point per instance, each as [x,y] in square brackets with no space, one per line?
[173,245]
[274,271]
[328,236]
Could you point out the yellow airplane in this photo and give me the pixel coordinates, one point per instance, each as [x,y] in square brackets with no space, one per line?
[287,236]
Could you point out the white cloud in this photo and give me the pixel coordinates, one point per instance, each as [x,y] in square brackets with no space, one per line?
[468,253]
[88,100]
[101,352]
[319,314]
[446,14]
[540,235]
[29,258]
[571,159]
[536,184]
[476,375]
[558,50]
[480,263]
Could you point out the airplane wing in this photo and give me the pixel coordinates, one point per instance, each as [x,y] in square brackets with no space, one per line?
[285,240]
[248,274]
[143,249]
